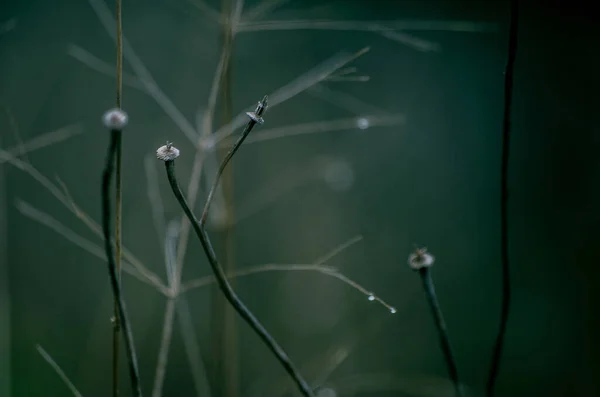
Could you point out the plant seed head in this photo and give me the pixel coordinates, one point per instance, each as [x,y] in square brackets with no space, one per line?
[420,258]
[167,152]
[115,119]
[255,117]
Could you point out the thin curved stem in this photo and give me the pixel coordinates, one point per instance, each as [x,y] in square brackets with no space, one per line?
[118,198]
[506,125]
[59,371]
[165,344]
[61,193]
[112,267]
[441,327]
[325,270]
[254,119]
[230,295]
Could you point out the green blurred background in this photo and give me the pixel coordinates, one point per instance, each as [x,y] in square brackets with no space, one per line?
[432,180]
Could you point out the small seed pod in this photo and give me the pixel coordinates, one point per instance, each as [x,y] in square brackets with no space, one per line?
[167,152]
[115,119]
[420,259]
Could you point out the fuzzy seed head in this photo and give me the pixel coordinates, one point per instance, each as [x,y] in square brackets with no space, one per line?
[115,119]
[420,258]
[167,152]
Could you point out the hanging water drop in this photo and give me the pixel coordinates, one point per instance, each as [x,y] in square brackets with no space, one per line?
[393,310]
[371,297]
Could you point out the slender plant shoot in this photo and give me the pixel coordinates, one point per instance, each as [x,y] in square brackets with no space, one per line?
[508,89]
[255,118]
[118,195]
[168,153]
[421,261]
[116,119]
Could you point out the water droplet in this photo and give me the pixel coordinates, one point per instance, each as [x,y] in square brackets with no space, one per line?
[393,310]
[371,298]
[362,123]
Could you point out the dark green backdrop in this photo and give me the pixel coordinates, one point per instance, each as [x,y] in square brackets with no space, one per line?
[432,181]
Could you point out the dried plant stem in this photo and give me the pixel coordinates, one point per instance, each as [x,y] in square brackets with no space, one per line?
[508,88]
[119,20]
[230,295]
[163,354]
[118,252]
[441,327]
[223,317]
[177,303]
[65,199]
[118,199]
[5,301]
[44,140]
[368,26]
[47,220]
[262,106]
[325,270]
[200,157]
[112,267]
[61,374]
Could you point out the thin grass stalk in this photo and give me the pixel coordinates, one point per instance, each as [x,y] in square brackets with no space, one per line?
[5,303]
[223,323]
[506,127]
[168,154]
[255,117]
[112,267]
[118,199]
[231,296]
[440,324]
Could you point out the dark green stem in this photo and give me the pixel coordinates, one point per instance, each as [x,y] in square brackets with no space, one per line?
[508,88]
[112,267]
[230,295]
[441,327]
[260,109]
[118,198]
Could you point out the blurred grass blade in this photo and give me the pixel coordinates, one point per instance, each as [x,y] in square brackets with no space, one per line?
[58,371]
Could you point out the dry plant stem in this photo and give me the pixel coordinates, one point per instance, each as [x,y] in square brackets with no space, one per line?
[5,302]
[508,88]
[368,26]
[318,266]
[65,199]
[118,200]
[441,327]
[260,109]
[224,335]
[47,220]
[178,303]
[230,295]
[61,374]
[200,158]
[112,267]
[163,355]
[282,94]
[325,270]
[44,140]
